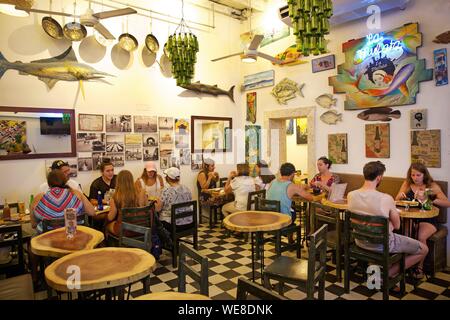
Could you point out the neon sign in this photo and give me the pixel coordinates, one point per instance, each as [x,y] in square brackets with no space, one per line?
[378,47]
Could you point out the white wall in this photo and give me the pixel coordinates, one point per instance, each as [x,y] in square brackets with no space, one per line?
[431,16]
[297,154]
[135,90]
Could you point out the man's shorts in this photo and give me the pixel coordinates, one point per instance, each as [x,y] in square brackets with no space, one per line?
[403,244]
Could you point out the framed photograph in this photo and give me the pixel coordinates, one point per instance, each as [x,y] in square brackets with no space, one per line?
[181,141]
[114,143]
[134,139]
[97,158]
[181,126]
[441,67]
[185,156]
[259,80]
[337,148]
[165,157]
[117,158]
[90,142]
[166,136]
[252,144]
[118,123]
[419,119]
[251,107]
[145,124]
[150,139]
[196,161]
[290,126]
[426,147]
[84,164]
[90,122]
[151,154]
[302,130]
[378,140]
[133,153]
[323,63]
[165,123]
[210,134]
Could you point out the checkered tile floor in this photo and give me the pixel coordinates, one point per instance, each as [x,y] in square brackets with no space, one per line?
[230,258]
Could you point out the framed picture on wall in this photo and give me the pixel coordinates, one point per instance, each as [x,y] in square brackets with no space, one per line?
[426,147]
[323,63]
[419,119]
[337,148]
[302,130]
[378,140]
[90,122]
[211,134]
[441,67]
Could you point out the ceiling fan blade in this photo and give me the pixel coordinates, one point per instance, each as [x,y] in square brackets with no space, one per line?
[104,32]
[114,13]
[231,55]
[54,13]
[270,58]
[256,42]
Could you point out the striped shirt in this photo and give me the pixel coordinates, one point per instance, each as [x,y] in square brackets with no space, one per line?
[53,203]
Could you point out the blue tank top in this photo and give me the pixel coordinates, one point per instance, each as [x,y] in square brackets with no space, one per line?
[278,191]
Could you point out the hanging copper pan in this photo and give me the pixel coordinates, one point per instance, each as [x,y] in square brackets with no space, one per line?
[151,43]
[128,42]
[74,31]
[52,28]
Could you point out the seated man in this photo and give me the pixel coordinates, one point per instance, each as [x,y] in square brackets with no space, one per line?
[367,200]
[283,189]
[65,168]
[103,183]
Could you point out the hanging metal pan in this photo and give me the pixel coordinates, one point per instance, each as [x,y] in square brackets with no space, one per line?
[74,31]
[128,42]
[52,28]
[151,43]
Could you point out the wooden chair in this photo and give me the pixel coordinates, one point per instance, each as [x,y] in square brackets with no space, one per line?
[214,210]
[374,230]
[280,245]
[247,288]
[335,238]
[136,227]
[252,196]
[185,269]
[51,224]
[301,271]
[11,236]
[188,209]
[17,288]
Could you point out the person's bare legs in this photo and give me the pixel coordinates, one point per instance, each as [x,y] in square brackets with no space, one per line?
[411,260]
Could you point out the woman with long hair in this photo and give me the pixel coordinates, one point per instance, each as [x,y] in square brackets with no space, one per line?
[325,178]
[418,180]
[150,181]
[125,196]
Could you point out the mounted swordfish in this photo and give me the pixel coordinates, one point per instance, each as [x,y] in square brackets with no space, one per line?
[63,67]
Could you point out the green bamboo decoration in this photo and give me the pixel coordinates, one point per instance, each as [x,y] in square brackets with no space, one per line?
[310,21]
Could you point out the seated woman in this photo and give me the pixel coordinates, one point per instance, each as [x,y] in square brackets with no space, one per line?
[263,175]
[324,179]
[240,184]
[125,196]
[417,180]
[207,178]
[150,181]
[174,193]
[52,203]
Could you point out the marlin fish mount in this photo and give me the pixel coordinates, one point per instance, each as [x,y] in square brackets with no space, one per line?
[63,67]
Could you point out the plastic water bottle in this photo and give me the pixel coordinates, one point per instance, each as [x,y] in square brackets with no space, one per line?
[100,201]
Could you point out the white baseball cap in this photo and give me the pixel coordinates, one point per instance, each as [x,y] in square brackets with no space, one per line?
[172,172]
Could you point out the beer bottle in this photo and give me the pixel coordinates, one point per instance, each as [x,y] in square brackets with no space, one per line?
[377,140]
[6,211]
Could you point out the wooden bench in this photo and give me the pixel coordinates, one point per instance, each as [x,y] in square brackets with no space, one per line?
[436,259]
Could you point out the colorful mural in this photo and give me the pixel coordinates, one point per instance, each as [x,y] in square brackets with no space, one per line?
[382,69]
[252,144]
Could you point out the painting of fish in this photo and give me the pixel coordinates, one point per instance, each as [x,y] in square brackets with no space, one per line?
[443,38]
[286,90]
[326,100]
[379,114]
[208,89]
[331,117]
[64,67]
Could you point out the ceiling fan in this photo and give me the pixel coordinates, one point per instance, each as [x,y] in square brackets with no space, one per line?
[251,53]
[89,18]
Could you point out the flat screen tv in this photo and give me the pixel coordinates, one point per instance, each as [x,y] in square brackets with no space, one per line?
[54,126]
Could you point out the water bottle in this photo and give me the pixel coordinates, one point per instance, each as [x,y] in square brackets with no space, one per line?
[100,201]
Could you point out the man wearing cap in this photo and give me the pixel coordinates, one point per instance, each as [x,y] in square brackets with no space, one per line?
[103,183]
[150,181]
[65,168]
[174,193]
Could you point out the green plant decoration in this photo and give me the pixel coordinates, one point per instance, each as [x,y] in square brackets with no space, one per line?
[310,21]
[182,48]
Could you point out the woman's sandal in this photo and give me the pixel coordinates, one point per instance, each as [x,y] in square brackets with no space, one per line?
[418,273]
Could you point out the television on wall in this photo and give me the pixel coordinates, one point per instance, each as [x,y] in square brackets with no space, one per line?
[54,126]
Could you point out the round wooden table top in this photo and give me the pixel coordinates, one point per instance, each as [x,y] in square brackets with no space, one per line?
[171,295]
[100,268]
[415,213]
[55,243]
[254,221]
[341,205]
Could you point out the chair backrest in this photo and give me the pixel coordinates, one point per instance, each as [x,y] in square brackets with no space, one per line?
[222,182]
[185,269]
[184,210]
[51,224]
[17,288]
[371,229]
[11,236]
[325,213]
[267,205]
[246,287]
[252,196]
[317,257]
[136,227]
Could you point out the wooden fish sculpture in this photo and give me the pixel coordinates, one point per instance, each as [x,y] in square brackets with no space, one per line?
[63,67]
[208,89]
[379,114]
[443,38]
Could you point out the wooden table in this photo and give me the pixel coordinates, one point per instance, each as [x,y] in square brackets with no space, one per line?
[104,268]
[171,295]
[411,219]
[256,222]
[341,205]
[55,243]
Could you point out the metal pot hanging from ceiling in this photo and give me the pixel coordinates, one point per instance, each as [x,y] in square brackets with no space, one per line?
[52,27]
[74,31]
[127,41]
[151,42]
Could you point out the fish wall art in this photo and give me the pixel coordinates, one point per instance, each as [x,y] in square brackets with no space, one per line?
[286,90]
[208,89]
[326,100]
[382,70]
[64,67]
[379,114]
[443,38]
[331,117]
